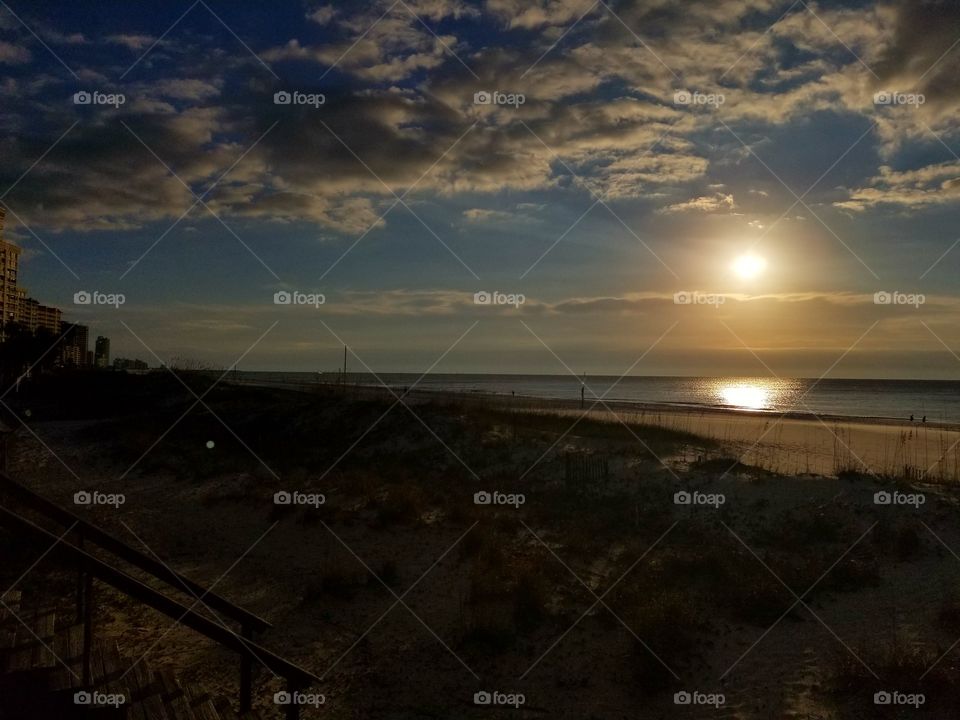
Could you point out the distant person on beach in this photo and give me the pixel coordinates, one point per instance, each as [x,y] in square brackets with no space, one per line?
[911,417]
[924,419]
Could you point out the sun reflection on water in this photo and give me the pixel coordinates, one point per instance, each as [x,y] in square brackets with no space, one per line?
[746,396]
[752,393]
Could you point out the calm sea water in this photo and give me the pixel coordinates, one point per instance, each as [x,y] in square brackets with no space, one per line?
[939,400]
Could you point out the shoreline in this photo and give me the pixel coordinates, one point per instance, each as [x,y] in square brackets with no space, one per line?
[786,443]
[632,406]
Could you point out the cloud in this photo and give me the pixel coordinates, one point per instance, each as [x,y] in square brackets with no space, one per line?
[132,41]
[918,56]
[486,215]
[322,15]
[378,48]
[705,203]
[14,54]
[848,307]
[531,14]
[440,9]
[186,89]
[599,116]
[909,189]
[59,38]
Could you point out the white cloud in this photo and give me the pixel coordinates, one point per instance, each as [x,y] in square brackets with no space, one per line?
[705,203]
[322,15]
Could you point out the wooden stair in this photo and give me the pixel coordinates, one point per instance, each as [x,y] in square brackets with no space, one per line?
[41,669]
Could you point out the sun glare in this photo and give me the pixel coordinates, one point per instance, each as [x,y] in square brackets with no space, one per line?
[747,396]
[749,266]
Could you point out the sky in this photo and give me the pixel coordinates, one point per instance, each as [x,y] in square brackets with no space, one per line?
[595,167]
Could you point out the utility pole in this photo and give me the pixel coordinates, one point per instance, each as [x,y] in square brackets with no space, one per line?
[344,365]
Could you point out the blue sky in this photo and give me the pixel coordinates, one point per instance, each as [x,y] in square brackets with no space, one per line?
[654,145]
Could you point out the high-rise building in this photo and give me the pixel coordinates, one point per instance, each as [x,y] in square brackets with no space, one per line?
[34,316]
[49,319]
[15,306]
[73,347]
[27,311]
[102,352]
[9,263]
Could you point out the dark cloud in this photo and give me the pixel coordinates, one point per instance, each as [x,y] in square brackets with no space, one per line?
[923,54]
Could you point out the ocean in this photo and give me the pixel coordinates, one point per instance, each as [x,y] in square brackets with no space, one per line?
[938,400]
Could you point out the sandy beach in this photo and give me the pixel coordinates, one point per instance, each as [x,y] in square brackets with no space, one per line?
[697,596]
[789,443]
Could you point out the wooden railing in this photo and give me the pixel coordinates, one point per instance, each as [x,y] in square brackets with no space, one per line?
[87,533]
[90,567]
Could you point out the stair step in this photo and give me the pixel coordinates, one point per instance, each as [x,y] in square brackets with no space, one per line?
[200,702]
[225,709]
[143,683]
[50,658]
[116,670]
[150,708]
[174,697]
[179,709]
[32,643]
[8,623]
[68,645]
[170,686]
[42,655]
[12,601]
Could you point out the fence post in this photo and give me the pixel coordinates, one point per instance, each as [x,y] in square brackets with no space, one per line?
[80,587]
[246,673]
[87,626]
[293,709]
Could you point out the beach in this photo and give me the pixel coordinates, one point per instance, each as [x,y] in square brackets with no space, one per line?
[786,442]
[595,569]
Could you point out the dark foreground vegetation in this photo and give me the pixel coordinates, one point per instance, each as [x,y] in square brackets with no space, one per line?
[596,596]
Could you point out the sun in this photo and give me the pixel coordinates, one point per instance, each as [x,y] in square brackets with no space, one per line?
[749,266]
